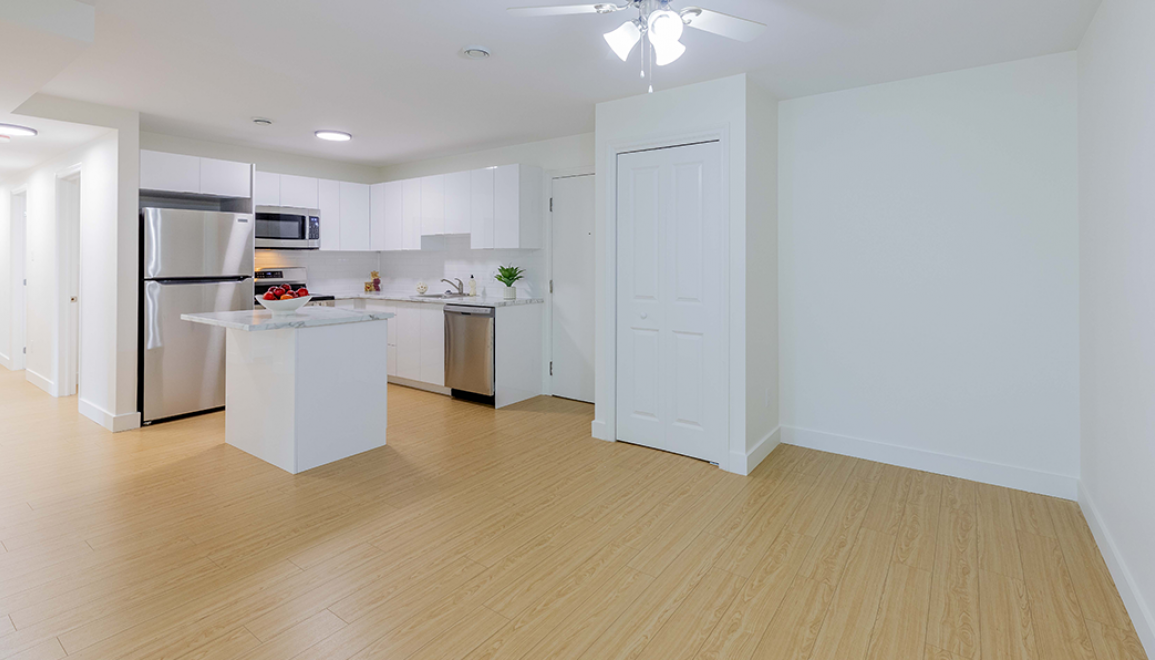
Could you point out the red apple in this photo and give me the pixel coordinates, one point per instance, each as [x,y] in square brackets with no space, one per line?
[302,292]
[269,295]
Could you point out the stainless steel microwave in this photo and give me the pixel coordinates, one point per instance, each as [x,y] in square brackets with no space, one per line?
[286,228]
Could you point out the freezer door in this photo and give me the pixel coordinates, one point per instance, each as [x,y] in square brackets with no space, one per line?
[184,362]
[183,243]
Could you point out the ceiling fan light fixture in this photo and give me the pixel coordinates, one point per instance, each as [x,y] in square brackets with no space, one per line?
[624,38]
[605,8]
[666,52]
[664,26]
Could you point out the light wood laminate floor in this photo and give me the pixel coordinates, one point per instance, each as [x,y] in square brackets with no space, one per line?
[512,534]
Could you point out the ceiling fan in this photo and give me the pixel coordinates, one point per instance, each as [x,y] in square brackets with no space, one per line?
[661,24]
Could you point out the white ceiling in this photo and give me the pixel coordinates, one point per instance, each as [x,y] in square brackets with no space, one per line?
[390,72]
[55,138]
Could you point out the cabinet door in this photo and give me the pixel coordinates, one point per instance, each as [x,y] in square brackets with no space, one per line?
[433,205]
[268,190]
[411,214]
[299,191]
[329,203]
[355,202]
[506,206]
[377,216]
[433,344]
[225,178]
[481,208]
[457,202]
[394,216]
[408,341]
[170,172]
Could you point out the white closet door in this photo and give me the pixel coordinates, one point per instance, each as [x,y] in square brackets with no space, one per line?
[572,300]
[671,264]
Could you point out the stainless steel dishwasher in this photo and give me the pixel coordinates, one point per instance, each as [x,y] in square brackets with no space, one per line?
[469,338]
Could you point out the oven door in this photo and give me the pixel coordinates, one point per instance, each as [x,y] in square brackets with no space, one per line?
[288,228]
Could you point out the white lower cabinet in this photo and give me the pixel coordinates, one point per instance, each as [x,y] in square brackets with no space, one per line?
[416,344]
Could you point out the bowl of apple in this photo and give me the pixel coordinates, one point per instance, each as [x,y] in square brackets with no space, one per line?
[284,300]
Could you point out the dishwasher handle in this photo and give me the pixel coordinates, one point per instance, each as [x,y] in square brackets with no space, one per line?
[469,311]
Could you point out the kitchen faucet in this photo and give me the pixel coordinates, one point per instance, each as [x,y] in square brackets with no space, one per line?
[459,285]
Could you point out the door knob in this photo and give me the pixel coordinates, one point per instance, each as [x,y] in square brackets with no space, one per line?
[645,315]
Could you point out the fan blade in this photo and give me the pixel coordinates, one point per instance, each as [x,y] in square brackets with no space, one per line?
[554,11]
[721,24]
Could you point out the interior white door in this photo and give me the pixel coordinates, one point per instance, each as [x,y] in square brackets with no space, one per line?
[572,302]
[671,264]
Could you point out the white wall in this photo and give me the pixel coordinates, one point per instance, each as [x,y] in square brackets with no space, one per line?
[929,273]
[558,154]
[109,259]
[45,292]
[662,118]
[1117,283]
[7,313]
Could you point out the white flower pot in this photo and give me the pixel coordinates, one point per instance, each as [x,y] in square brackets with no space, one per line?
[510,293]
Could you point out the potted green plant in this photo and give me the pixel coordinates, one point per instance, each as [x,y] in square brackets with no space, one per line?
[508,275]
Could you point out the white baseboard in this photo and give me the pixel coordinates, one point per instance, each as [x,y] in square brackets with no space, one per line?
[40,381]
[114,423]
[6,361]
[1141,616]
[744,463]
[1033,481]
[599,430]
[418,385]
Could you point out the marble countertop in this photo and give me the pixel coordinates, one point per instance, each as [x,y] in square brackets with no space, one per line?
[306,317]
[476,301]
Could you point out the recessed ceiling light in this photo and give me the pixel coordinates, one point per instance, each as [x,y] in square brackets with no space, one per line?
[17,131]
[334,136]
[262,121]
[475,52]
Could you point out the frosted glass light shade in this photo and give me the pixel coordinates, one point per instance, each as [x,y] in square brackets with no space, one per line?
[623,39]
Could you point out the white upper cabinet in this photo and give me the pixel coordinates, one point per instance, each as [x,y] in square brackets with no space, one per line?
[433,205]
[457,203]
[225,178]
[517,206]
[355,216]
[393,237]
[377,216]
[299,192]
[481,208]
[411,214]
[268,190]
[329,203]
[170,172]
[193,175]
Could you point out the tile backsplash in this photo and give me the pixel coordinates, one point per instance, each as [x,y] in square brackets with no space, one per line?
[440,257]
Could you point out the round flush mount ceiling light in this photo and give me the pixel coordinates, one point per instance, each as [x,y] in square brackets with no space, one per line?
[262,121]
[13,130]
[334,136]
[475,52]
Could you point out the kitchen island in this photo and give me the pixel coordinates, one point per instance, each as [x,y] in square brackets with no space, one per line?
[304,389]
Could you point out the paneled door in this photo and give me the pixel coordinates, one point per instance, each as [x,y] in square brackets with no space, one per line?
[672,389]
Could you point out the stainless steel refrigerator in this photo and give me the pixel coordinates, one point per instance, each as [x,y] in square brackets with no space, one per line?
[191,261]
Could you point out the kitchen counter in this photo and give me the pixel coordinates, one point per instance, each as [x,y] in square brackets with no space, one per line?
[304,389]
[476,301]
[307,317]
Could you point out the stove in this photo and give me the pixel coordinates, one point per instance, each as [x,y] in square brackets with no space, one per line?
[294,276]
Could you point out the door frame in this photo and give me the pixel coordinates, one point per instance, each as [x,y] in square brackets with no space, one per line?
[608,403]
[68,270]
[550,176]
[18,272]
